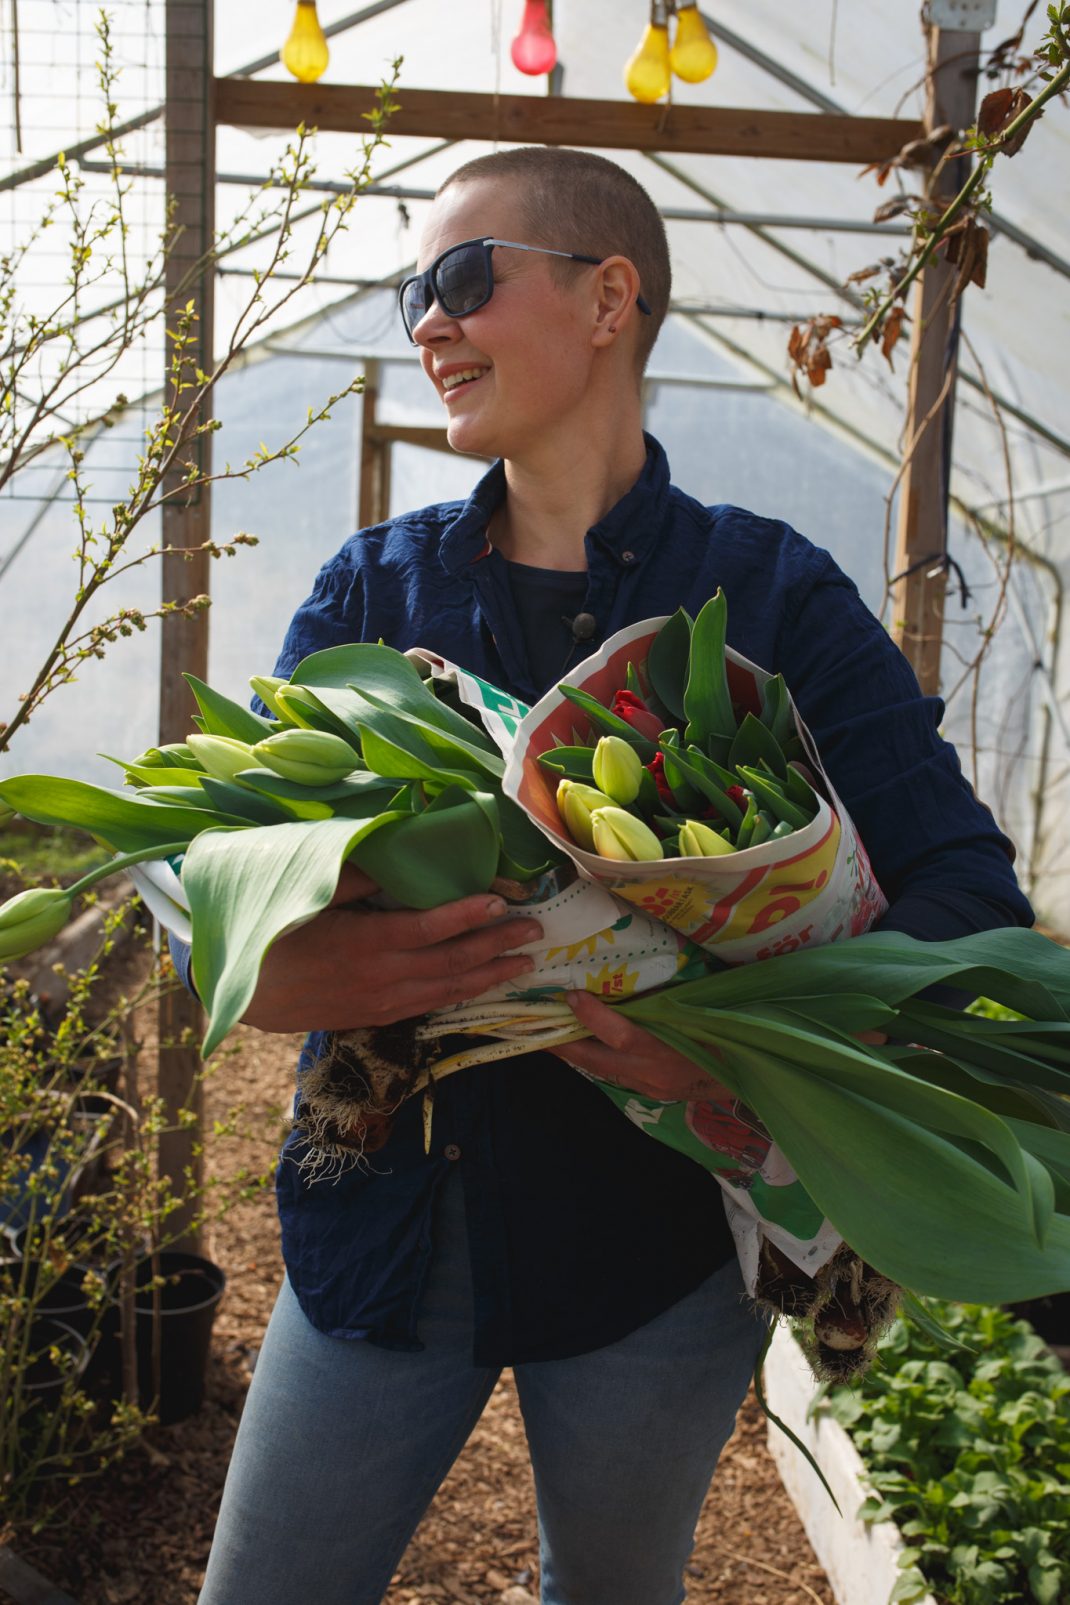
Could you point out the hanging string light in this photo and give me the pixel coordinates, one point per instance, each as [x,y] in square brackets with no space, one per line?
[533,50]
[305,52]
[692,55]
[646,74]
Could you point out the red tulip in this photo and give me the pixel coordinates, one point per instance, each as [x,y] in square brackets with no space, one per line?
[657,769]
[634,711]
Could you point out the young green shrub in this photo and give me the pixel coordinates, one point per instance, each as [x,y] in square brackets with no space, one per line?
[967,1448]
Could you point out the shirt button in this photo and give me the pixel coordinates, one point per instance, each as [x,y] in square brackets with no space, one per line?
[452,1151]
[627,557]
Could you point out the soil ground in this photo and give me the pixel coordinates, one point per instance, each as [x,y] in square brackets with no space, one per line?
[141,1532]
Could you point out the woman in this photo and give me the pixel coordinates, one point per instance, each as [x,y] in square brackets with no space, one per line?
[542,1231]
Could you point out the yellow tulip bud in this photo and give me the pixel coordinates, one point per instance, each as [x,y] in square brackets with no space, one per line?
[699,841]
[618,769]
[618,834]
[575,804]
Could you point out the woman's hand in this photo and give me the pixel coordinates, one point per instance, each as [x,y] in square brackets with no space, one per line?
[352,967]
[630,1057]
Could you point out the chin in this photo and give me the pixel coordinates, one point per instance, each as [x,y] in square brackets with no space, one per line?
[466,438]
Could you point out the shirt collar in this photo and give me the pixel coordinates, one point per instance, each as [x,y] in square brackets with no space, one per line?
[626,532]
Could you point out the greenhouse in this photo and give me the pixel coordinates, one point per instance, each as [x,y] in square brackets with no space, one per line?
[208,389]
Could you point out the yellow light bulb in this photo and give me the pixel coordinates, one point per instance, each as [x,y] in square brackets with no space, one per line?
[305,52]
[693,55]
[646,75]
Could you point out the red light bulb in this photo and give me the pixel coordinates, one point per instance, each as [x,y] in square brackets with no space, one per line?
[533,50]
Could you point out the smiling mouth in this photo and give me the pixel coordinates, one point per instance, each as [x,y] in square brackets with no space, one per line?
[454,381]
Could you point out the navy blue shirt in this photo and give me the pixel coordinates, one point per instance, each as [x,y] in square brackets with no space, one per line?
[581,1227]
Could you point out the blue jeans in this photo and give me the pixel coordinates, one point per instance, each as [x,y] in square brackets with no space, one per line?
[343,1445]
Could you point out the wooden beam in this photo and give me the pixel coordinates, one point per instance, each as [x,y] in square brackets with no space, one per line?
[190,182]
[559,120]
[921,536]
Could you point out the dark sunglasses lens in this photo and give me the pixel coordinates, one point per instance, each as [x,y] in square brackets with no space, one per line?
[415,300]
[462,280]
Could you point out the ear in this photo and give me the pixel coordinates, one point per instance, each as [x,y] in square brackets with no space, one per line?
[618,287]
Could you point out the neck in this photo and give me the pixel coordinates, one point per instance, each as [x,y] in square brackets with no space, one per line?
[549,506]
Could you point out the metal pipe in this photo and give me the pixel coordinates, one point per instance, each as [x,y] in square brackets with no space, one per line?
[1001,225]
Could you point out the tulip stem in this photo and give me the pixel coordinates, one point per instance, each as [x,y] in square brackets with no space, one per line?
[124,861]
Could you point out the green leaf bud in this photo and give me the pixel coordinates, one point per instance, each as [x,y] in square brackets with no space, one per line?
[618,769]
[31,918]
[618,834]
[309,757]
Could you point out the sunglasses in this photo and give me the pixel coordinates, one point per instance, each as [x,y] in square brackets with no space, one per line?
[461,281]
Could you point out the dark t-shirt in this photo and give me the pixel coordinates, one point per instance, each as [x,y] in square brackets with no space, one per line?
[546,602]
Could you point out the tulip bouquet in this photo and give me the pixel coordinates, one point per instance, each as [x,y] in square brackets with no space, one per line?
[678,769]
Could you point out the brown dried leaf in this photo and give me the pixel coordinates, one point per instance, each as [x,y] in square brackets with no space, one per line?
[861,274]
[893,328]
[808,352]
[893,208]
[993,115]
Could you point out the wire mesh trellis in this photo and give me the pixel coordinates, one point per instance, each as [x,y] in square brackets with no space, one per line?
[83,243]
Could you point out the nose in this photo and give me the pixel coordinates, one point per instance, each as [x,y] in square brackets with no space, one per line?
[435,326]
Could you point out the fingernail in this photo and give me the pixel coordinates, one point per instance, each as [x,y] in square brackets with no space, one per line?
[496,907]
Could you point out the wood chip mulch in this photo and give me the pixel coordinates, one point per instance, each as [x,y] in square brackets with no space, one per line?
[142,1531]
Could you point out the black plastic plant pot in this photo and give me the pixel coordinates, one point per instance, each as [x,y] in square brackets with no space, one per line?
[68,1239]
[188,1301]
[43,1377]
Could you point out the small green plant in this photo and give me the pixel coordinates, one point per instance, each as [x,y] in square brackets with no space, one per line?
[967,1448]
[89,1231]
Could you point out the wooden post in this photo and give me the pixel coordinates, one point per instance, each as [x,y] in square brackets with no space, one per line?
[373,504]
[921,540]
[190,183]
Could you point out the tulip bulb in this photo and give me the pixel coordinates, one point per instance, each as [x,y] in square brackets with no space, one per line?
[647,75]
[693,56]
[305,52]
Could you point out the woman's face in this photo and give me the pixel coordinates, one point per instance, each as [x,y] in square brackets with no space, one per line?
[526,355]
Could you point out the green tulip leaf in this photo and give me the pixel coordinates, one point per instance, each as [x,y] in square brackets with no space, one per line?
[707,699]
[245,889]
[666,663]
[223,717]
[448,851]
[124,821]
[753,744]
